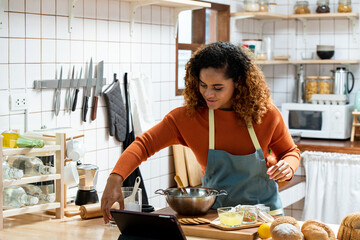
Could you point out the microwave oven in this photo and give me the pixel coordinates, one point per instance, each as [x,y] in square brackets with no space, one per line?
[318,120]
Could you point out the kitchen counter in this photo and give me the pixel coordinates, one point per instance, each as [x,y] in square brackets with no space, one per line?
[42,226]
[322,145]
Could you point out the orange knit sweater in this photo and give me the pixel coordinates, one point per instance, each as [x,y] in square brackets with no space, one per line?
[179,128]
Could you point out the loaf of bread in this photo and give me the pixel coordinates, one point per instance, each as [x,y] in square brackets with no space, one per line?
[350,227]
[285,228]
[316,230]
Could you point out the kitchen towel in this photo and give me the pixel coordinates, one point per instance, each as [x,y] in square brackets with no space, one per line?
[116,111]
[141,102]
[130,137]
[332,186]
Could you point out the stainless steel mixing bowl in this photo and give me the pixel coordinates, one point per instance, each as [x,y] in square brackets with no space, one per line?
[197,201]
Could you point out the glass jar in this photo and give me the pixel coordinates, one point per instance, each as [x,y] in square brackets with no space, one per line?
[324,85]
[322,6]
[252,5]
[272,7]
[344,6]
[250,214]
[302,7]
[311,86]
[263,5]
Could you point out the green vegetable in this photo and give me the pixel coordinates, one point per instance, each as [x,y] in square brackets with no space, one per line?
[23,142]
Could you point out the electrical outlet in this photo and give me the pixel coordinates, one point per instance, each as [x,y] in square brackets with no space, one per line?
[18,101]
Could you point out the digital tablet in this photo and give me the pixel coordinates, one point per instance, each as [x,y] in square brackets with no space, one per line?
[150,226]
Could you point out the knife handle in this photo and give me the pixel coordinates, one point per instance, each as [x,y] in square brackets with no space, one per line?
[75,99]
[94,110]
[85,107]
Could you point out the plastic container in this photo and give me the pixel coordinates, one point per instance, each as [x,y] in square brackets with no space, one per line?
[252,5]
[311,86]
[250,214]
[344,6]
[324,85]
[263,6]
[9,139]
[322,6]
[302,7]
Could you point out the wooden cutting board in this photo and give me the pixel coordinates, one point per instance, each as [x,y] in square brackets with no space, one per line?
[194,170]
[180,164]
[206,231]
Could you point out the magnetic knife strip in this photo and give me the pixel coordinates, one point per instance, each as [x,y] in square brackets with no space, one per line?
[42,84]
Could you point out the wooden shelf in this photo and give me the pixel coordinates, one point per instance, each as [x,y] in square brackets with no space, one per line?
[20,151]
[324,16]
[324,61]
[277,62]
[258,15]
[56,150]
[30,209]
[32,179]
[173,3]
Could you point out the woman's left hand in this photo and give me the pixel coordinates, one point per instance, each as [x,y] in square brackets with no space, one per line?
[280,172]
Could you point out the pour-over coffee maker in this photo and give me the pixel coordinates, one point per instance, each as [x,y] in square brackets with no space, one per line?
[86,193]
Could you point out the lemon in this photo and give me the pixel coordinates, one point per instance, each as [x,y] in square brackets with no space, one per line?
[264,230]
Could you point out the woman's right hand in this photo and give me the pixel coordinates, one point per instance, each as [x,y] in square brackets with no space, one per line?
[112,194]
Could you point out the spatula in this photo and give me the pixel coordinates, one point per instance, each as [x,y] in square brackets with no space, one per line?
[180,184]
[131,198]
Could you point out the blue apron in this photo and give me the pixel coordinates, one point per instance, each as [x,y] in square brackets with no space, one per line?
[242,176]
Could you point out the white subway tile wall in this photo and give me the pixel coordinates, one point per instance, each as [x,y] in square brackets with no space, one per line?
[35,43]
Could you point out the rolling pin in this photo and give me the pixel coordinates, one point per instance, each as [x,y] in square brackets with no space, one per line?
[90,211]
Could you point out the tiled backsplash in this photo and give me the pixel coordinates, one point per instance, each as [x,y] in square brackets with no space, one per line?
[35,43]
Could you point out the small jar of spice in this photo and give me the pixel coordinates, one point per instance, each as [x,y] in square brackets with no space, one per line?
[322,6]
[344,6]
[302,7]
[263,5]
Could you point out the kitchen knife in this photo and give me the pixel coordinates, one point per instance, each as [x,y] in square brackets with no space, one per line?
[87,91]
[58,94]
[98,89]
[76,91]
[68,93]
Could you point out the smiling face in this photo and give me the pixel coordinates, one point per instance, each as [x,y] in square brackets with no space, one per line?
[216,88]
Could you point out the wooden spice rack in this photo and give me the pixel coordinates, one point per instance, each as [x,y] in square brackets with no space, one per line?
[58,150]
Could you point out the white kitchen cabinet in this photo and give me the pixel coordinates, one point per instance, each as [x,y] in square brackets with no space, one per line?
[58,151]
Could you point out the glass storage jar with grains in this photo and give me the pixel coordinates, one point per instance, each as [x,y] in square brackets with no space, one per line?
[302,7]
[263,5]
[252,5]
[344,6]
[322,6]
[311,86]
[324,84]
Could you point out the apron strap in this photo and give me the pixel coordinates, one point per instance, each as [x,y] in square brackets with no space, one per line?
[253,136]
[212,132]
[211,129]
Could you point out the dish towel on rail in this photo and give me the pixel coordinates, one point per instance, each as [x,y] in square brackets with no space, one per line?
[141,102]
[332,186]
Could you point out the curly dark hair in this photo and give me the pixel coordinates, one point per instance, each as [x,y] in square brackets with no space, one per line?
[251,98]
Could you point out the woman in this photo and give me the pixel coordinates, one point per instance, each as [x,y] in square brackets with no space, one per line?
[230,123]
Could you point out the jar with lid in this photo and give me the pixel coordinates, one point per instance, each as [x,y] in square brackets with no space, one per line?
[311,86]
[322,6]
[252,5]
[344,6]
[324,84]
[302,7]
[263,5]
[272,7]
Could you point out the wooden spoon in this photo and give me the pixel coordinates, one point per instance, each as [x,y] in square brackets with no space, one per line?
[180,184]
